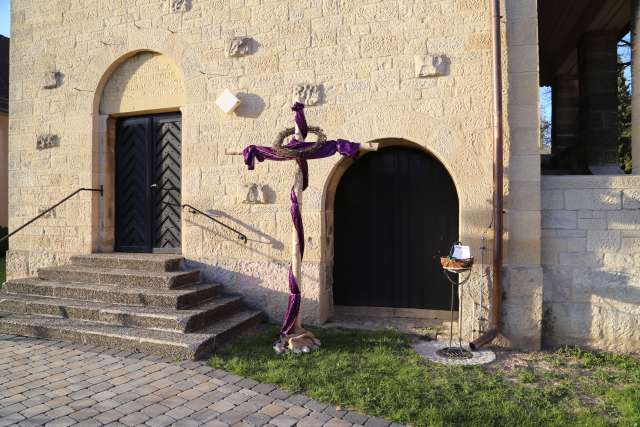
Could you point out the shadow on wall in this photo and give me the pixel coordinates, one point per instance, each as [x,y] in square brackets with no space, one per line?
[251,106]
[4,246]
[262,238]
[590,307]
[248,281]
[215,231]
[251,278]
[255,237]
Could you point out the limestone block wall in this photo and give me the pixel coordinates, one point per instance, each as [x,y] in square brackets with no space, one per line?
[522,314]
[4,161]
[361,58]
[591,254]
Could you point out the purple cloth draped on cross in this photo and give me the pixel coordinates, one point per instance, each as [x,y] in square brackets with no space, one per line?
[327,149]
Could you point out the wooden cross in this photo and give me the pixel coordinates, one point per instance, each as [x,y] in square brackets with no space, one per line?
[300,340]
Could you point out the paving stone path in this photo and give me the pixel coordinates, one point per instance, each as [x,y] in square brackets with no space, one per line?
[56,383]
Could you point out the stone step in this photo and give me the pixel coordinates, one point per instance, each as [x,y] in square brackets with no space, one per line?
[122,277]
[127,261]
[123,315]
[170,344]
[183,297]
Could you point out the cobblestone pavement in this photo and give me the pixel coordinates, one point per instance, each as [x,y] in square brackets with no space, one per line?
[56,383]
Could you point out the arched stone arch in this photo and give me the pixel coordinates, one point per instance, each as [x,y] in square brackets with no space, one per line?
[140,47]
[458,157]
[146,81]
[102,64]
[461,154]
[420,130]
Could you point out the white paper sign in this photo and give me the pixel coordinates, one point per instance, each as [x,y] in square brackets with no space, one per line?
[461,252]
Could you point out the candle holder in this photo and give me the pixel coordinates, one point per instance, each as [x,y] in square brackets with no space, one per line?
[456,266]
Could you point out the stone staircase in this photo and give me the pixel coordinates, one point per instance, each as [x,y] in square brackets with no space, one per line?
[137,302]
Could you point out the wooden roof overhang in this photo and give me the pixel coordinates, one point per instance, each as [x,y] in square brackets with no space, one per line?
[561,24]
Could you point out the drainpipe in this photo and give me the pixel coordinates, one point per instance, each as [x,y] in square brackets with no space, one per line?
[498,180]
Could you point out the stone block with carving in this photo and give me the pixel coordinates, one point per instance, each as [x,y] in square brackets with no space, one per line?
[307,94]
[180,5]
[52,80]
[431,65]
[239,46]
[47,141]
[50,214]
[255,194]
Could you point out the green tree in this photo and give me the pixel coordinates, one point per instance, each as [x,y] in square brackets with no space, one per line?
[545,135]
[624,118]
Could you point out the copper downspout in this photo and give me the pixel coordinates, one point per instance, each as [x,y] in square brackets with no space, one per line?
[498,179]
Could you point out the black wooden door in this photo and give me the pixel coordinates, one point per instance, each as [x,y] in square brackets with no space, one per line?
[148,158]
[396,213]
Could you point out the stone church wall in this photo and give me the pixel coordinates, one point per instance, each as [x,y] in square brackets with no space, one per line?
[416,71]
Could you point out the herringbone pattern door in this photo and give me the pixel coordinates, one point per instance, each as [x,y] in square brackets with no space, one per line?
[132,185]
[148,159]
[166,195]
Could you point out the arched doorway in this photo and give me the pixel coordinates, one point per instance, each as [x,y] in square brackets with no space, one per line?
[396,212]
[140,103]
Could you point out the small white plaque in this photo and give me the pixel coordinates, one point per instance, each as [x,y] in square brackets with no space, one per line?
[227,102]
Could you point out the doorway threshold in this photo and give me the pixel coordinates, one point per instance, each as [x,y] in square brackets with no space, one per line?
[430,324]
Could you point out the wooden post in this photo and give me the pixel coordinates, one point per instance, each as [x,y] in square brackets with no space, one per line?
[300,340]
[296,255]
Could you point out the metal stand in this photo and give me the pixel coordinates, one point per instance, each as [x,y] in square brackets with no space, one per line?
[456,352]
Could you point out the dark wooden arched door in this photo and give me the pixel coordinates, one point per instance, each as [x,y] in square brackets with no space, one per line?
[396,212]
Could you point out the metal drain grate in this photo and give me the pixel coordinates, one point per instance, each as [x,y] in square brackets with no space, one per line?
[454,353]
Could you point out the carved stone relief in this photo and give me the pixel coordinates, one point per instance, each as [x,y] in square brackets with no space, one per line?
[180,5]
[431,65]
[258,194]
[52,79]
[239,46]
[50,214]
[47,141]
[308,94]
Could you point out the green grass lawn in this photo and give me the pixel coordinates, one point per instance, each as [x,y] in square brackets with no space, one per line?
[379,374]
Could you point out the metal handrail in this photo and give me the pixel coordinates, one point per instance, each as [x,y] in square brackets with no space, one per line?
[43,213]
[194,210]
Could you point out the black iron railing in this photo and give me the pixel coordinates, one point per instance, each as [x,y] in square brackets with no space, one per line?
[196,211]
[43,213]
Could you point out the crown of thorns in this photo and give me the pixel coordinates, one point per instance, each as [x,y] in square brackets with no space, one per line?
[279,145]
